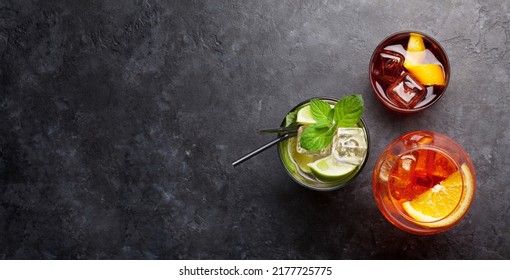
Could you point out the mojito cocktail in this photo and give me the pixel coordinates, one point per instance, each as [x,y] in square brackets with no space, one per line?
[331,146]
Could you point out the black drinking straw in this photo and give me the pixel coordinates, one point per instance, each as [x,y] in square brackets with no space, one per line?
[263,148]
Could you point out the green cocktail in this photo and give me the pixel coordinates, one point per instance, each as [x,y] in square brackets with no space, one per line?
[331,146]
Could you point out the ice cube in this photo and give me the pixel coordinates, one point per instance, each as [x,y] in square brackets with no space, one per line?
[406,91]
[424,164]
[418,139]
[407,162]
[349,145]
[401,178]
[424,160]
[324,152]
[429,96]
[391,65]
[386,165]
[443,167]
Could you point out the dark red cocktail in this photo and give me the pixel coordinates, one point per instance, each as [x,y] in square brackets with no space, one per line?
[409,71]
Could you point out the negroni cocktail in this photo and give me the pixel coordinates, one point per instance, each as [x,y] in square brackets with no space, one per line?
[409,71]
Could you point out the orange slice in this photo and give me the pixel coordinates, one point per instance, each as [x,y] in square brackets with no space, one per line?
[415,43]
[437,207]
[427,74]
[415,50]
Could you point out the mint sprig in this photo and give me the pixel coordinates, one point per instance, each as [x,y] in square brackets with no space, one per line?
[317,135]
[346,113]
[320,110]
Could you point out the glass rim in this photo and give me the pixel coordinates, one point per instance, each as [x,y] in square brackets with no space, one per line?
[393,106]
[335,187]
[431,227]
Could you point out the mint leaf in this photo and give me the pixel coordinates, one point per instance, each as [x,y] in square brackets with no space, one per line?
[320,110]
[348,111]
[290,118]
[317,136]
[323,123]
[331,115]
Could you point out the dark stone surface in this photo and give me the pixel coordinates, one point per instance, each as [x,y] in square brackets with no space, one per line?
[119,123]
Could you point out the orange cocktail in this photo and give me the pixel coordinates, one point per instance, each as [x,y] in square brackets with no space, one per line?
[424,182]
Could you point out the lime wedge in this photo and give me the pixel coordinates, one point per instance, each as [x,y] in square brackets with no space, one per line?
[326,169]
[304,115]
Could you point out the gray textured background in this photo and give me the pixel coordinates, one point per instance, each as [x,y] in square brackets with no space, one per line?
[119,121]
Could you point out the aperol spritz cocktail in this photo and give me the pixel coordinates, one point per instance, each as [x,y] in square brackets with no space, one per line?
[424,182]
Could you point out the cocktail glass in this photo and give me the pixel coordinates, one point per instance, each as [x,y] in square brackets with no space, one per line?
[424,182]
[296,163]
[409,71]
